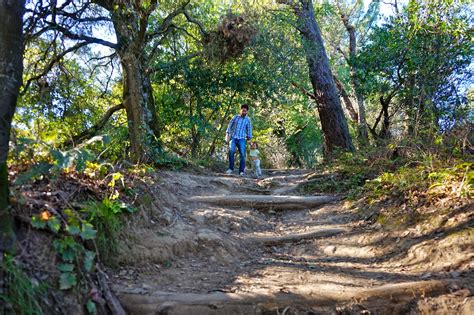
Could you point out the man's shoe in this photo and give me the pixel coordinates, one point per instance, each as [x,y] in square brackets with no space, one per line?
[242,174]
[229,171]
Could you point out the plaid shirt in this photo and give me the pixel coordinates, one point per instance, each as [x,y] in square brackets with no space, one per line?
[240,128]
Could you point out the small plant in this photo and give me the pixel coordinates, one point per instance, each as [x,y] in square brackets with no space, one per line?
[22,295]
[105,217]
[99,221]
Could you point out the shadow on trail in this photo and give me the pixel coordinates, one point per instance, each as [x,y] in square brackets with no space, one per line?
[271,275]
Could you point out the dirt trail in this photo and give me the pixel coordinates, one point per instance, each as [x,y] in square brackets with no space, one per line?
[217,244]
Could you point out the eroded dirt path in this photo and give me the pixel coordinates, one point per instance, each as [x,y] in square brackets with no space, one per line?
[199,249]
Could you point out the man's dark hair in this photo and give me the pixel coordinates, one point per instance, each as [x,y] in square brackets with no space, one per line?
[246,106]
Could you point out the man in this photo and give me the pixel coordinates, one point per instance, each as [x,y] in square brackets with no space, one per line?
[238,132]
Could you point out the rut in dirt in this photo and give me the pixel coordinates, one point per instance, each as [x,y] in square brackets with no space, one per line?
[247,246]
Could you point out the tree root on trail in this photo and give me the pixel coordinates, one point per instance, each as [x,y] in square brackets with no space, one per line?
[112,302]
[266,202]
[272,240]
[384,299]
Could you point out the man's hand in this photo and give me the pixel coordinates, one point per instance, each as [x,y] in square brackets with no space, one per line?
[227,138]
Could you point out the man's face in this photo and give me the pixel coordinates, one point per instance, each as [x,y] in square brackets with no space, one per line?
[243,112]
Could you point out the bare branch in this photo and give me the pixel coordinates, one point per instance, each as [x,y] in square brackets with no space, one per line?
[85,38]
[184,31]
[166,23]
[194,21]
[51,64]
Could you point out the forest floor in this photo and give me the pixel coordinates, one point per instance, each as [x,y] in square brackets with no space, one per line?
[220,244]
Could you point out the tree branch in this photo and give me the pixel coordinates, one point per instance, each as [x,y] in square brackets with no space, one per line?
[51,65]
[85,38]
[167,22]
[182,59]
[89,133]
[304,91]
[194,21]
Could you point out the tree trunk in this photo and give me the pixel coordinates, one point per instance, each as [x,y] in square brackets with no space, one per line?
[195,133]
[350,108]
[143,125]
[212,148]
[384,131]
[11,71]
[363,134]
[333,121]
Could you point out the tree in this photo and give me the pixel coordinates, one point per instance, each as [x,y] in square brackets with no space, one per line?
[140,29]
[347,16]
[414,63]
[333,121]
[11,70]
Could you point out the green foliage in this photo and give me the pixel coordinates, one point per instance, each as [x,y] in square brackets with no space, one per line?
[68,248]
[348,172]
[417,61]
[422,178]
[49,162]
[171,160]
[303,137]
[104,218]
[23,296]
[458,179]
[67,280]
[36,172]
[98,222]
[91,308]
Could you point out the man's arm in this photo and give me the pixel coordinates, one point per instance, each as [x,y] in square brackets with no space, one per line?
[228,130]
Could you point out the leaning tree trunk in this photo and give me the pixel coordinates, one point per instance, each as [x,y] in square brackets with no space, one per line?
[347,100]
[11,71]
[333,121]
[143,125]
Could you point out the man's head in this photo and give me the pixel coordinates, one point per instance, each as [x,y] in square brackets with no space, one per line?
[244,110]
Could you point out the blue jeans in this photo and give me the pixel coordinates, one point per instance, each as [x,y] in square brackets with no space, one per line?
[256,168]
[241,145]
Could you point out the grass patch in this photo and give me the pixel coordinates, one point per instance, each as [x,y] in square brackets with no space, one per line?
[402,185]
[22,295]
